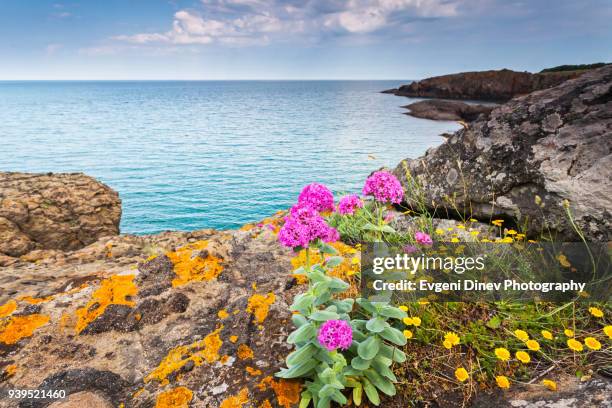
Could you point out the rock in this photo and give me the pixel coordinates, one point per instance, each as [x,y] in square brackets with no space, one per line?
[500,85]
[54,211]
[437,109]
[527,158]
[155,322]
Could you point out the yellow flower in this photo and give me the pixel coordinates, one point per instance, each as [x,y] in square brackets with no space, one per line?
[533,345]
[416,321]
[439,231]
[502,353]
[596,312]
[408,321]
[502,381]
[520,236]
[538,199]
[408,334]
[574,345]
[550,384]
[608,331]
[450,228]
[474,233]
[497,223]
[547,335]
[506,240]
[461,226]
[452,338]
[403,308]
[423,302]
[523,357]
[454,240]
[447,344]
[461,374]
[592,343]
[568,332]
[473,220]
[511,232]
[521,335]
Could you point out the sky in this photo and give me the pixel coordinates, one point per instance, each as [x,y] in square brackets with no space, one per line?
[308,39]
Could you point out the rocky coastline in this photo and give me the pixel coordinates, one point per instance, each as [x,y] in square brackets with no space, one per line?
[129,321]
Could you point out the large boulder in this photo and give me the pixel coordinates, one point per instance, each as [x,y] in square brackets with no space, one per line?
[54,211]
[493,85]
[530,160]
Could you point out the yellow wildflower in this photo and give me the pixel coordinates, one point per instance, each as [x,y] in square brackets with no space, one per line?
[533,345]
[569,332]
[550,384]
[408,334]
[521,335]
[408,321]
[497,223]
[461,374]
[423,302]
[447,344]
[596,312]
[592,343]
[403,308]
[608,331]
[502,353]
[523,357]
[416,321]
[439,231]
[474,233]
[461,226]
[454,240]
[511,232]
[473,220]
[452,338]
[575,345]
[502,381]
[547,335]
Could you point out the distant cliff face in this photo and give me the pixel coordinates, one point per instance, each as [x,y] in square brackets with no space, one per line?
[54,211]
[492,85]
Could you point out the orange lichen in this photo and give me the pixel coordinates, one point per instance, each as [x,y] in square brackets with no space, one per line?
[179,397]
[16,328]
[233,339]
[264,383]
[10,370]
[259,305]
[8,308]
[189,266]
[224,359]
[265,404]
[287,392]
[34,301]
[205,350]
[116,290]
[236,401]
[223,314]
[253,371]
[244,352]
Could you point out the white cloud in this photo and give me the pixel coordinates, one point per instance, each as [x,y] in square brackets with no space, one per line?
[51,49]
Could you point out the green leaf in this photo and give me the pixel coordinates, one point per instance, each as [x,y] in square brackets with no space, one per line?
[376,324]
[369,348]
[299,370]
[393,312]
[327,391]
[323,403]
[302,354]
[383,369]
[367,305]
[380,382]
[327,249]
[339,398]
[298,320]
[494,322]
[357,393]
[333,261]
[359,363]
[305,400]
[399,356]
[302,334]
[394,336]
[302,302]
[323,316]
[338,285]
[387,228]
[371,392]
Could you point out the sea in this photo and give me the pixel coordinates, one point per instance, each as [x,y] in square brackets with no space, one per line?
[187,155]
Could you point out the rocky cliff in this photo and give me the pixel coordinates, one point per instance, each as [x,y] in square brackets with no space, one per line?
[500,85]
[530,161]
[54,211]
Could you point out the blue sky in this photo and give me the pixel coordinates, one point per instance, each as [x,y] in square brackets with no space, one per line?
[308,39]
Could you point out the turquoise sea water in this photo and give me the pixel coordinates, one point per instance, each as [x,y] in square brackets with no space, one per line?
[190,155]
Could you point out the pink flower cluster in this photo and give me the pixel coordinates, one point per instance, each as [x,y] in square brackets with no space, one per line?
[348,204]
[385,187]
[303,226]
[335,334]
[318,197]
[423,238]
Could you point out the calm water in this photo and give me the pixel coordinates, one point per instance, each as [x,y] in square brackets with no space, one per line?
[189,155]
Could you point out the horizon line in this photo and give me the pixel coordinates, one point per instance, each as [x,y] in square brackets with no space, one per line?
[202,79]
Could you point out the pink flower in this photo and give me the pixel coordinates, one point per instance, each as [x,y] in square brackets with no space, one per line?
[335,334]
[303,226]
[385,187]
[317,196]
[348,204]
[423,238]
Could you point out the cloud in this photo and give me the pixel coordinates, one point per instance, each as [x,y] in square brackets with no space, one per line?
[53,48]
[249,22]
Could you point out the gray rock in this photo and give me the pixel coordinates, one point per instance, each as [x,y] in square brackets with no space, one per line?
[526,159]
